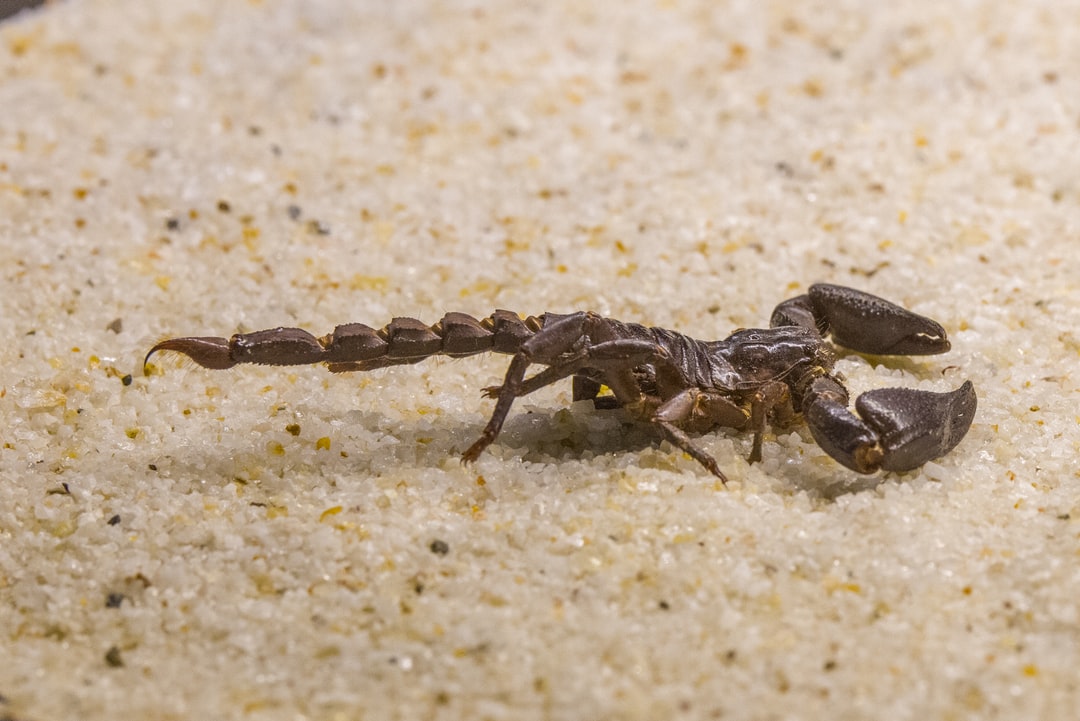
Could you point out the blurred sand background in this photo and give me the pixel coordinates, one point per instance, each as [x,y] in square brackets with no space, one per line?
[270,543]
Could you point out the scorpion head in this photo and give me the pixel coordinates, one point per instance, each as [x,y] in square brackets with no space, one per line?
[785,353]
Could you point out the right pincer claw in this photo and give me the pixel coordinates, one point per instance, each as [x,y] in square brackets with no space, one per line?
[915,426]
[896,429]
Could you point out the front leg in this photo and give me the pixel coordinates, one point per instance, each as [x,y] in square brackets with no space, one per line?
[771,395]
[696,408]
[702,410]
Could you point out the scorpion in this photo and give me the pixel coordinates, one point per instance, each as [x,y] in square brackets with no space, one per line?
[678,384]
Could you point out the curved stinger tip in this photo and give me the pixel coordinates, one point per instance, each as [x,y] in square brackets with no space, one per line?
[209,352]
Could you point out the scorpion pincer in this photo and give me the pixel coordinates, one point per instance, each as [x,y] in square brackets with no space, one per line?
[678,384]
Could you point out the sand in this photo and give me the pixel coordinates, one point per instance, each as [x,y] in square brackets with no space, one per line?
[286,543]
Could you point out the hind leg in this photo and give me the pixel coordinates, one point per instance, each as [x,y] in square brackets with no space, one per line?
[616,359]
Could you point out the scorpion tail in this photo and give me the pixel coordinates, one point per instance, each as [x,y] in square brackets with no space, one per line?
[358,347]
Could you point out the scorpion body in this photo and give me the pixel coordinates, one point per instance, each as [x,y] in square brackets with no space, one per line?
[679,384]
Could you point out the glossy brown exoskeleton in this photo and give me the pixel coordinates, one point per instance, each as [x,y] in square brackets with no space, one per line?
[676,383]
